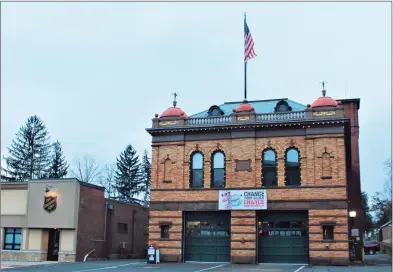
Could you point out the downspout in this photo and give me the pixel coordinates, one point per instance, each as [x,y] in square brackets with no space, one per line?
[105,225]
[133,234]
[105,228]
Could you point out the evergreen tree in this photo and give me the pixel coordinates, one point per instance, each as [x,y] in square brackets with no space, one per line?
[146,178]
[368,221]
[59,166]
[6,175]
[127,177]
[29,154]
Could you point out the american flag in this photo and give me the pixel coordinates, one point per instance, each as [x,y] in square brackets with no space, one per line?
[248,43]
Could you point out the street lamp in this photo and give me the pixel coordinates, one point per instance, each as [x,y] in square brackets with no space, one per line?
[353,248]
[352,214]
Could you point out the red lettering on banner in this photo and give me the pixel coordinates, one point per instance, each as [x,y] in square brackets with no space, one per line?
[254,202]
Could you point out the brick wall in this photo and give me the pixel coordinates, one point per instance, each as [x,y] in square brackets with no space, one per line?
[311,149]
[91,223]
[243,238]
[136,218]
[170,249]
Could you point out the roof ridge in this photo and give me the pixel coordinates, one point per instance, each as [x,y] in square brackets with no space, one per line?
[250,101]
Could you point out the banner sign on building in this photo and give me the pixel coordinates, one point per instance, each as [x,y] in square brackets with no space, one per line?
[242,200]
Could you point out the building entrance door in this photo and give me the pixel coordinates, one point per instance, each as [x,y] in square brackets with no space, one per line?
[53,245]
[207,237]
[283,237]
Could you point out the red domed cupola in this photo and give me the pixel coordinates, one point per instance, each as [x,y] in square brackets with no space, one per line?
[174,111]
[324,101]
[244,107]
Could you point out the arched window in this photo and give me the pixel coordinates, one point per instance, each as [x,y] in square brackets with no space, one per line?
[292,167]
[282,106]
[196,175]
[218,169]
[269,168]
[215,111]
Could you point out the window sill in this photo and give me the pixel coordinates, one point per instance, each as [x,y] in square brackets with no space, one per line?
[293,185]
[329,241]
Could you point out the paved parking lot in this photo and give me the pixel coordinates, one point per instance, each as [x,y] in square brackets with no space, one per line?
[141,265]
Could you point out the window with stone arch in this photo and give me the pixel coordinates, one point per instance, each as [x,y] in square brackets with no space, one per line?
[292,166]
[218,169]
[269,167]
[196,170]
[167,170]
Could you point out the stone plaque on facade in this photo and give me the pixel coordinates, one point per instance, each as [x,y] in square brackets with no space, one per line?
[243,165]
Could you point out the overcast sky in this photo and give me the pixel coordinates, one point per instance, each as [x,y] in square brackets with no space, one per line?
[96,73]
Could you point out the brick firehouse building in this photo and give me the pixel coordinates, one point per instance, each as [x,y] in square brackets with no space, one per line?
[257,182]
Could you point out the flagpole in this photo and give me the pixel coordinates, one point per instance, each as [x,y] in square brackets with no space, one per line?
[245,67]
[245,81]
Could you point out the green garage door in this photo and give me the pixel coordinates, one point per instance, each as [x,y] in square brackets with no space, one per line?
[283,237]
[207,237]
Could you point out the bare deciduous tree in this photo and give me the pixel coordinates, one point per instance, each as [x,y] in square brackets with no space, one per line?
[107,180]
[382,201]
[388,181]
[86,169]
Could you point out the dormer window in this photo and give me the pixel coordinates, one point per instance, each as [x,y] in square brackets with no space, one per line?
[215,111]
[282,106]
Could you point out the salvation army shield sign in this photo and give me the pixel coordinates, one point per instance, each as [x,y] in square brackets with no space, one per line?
[50,203]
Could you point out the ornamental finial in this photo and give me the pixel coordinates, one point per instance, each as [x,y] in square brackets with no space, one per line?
[323,88]
[174,99]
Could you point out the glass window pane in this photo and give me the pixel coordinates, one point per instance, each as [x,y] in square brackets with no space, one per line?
[292,157]
[197,177]
[193,224]
[8,247]
[220,233]
[282,108]
[282,225]
[9,238]
[269,157]
[292,176]
[17,247]
[206,233]
[18,230]
[197,161]
[215,112]
[218,177]
[194,232]
[269,176]
[328,233]
[18,238]
[206,225]
[9,231]
[218,160]
[265,229]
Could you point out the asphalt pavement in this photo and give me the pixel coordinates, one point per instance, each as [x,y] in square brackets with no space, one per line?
[141,265]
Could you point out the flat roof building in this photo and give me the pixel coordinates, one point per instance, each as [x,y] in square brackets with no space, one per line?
[65,219]
[257,181]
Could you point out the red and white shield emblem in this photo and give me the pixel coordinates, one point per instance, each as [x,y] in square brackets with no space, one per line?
[50,203]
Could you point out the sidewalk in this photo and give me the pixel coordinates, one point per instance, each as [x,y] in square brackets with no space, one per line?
[378,259]
[14,264]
